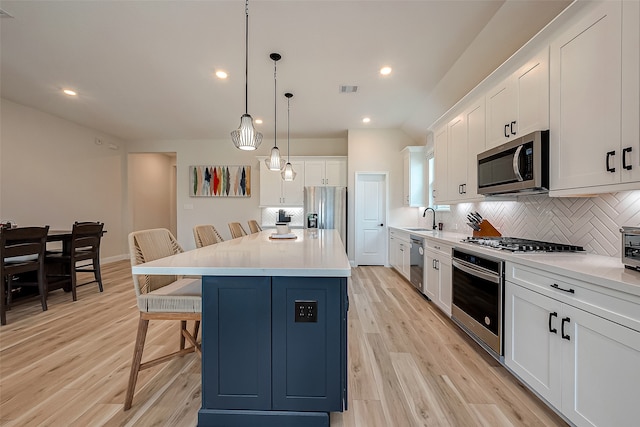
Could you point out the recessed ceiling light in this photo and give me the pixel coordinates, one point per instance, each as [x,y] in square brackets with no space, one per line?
[69,92]
[366,120]
[258,121]
[221,74]
[385,71]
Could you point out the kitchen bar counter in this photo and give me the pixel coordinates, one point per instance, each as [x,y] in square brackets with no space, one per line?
[601,270]
[274,327]
[312,253]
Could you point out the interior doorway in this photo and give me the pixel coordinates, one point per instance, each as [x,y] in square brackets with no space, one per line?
[371,212]
[152,191]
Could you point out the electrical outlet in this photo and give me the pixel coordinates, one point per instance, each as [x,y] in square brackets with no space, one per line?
[306,311]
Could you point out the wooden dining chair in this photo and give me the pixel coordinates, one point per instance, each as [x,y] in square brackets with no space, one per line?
[206,235]
[254,227]
[236,230]
[161,298]
[82,257]
[22,250]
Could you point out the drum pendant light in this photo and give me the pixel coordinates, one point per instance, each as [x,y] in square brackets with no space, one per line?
[274,162]
[246,137]
[288,174]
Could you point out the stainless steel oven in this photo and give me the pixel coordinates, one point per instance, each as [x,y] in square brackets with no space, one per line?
[416,272]
[478,293]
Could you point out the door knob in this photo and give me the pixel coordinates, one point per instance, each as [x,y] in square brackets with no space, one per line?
[381,225]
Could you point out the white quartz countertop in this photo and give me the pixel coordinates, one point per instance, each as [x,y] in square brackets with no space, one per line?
[600,270]
[313,253]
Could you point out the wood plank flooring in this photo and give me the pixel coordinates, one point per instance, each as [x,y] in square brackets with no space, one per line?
[408,364]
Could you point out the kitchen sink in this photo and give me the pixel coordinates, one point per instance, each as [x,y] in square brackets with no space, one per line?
[418,229]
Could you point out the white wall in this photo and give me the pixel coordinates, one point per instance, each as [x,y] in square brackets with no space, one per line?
[219,211]
[150,191]
[378,150]
[52,172]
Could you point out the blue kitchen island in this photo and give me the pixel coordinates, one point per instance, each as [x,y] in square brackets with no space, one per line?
[274,327]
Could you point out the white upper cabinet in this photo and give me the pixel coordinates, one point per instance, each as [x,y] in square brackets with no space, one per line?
[325,172]
[274,191]
[594,98]
[440,143]
[414,178]
[520,103]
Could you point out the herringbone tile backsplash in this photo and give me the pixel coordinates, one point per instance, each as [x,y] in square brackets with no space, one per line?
[592,222]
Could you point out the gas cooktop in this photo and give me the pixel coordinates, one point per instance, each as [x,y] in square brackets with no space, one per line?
[515,244]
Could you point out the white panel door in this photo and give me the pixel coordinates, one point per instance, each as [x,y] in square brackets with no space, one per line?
[371,221]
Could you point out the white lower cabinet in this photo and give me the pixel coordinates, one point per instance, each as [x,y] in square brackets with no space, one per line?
[437,274]
[584,365]
[400,252]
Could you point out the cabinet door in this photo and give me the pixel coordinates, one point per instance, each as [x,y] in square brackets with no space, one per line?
[405,248]
[293,191]
[236,343]
[393,252]
[585,101]
[476,136]
[270,187]
[432,280]
[336,173]
[457,158]
[601,373]
[501,113]
[406,178]
[444,284]
[440,158]
[532,90]
[314,171]
[631,91]
[532,340]
[308,361]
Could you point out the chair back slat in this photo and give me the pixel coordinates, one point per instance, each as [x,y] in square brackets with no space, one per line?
[23,241]
[86,236]
[149,245]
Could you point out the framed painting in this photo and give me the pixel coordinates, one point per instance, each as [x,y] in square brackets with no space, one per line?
[220,181]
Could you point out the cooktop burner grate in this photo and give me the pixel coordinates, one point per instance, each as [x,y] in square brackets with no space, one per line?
[514,244]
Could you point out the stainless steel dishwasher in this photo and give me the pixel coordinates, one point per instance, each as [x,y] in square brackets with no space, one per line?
[417,262]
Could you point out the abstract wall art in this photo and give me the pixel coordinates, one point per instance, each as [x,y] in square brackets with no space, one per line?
[220,181]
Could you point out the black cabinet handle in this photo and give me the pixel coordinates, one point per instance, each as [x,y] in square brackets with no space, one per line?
[555,286]
[551,316]
[464,188]
[624,158]
[512,132]
[506,128]
[609,155]
[565,336]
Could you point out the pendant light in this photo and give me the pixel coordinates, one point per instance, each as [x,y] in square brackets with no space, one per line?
[288,174]
[274,162]
[246,137]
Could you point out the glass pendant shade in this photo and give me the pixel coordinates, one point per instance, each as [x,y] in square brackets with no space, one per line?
[288,174]
[246,137]
[274,162]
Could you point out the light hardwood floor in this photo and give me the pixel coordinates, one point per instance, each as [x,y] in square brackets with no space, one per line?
[408,364]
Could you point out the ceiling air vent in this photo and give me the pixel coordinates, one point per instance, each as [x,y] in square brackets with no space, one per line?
[5,14]
[348,89]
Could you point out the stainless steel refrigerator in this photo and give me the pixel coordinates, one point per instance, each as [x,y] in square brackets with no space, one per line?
[327,207]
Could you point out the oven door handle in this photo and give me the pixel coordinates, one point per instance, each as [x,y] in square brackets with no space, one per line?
[476,272]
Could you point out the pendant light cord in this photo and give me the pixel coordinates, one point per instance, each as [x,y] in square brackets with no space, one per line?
[288,149]
[246,57]
[275,104]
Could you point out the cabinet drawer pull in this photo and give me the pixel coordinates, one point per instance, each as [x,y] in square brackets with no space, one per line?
[624,158]
[555,286]
[551,316]
[506,128]
[565,320]
[512,132]
[609,155]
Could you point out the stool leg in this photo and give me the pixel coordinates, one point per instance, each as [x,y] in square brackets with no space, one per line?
[143,325]
[183,327]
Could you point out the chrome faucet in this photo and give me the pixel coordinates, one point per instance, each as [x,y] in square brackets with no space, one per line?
[434,216]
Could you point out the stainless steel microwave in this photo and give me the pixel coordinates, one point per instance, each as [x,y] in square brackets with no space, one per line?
[518,166]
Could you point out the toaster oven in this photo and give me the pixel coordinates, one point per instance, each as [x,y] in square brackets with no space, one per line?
[631,247]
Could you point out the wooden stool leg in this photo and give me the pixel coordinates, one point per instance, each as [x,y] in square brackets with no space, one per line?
[143,325]
[42,288]
[73,282]
[196,328]
[97,273]
[3,314]
[183,326]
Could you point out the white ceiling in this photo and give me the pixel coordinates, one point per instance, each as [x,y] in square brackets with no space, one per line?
[144,69]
